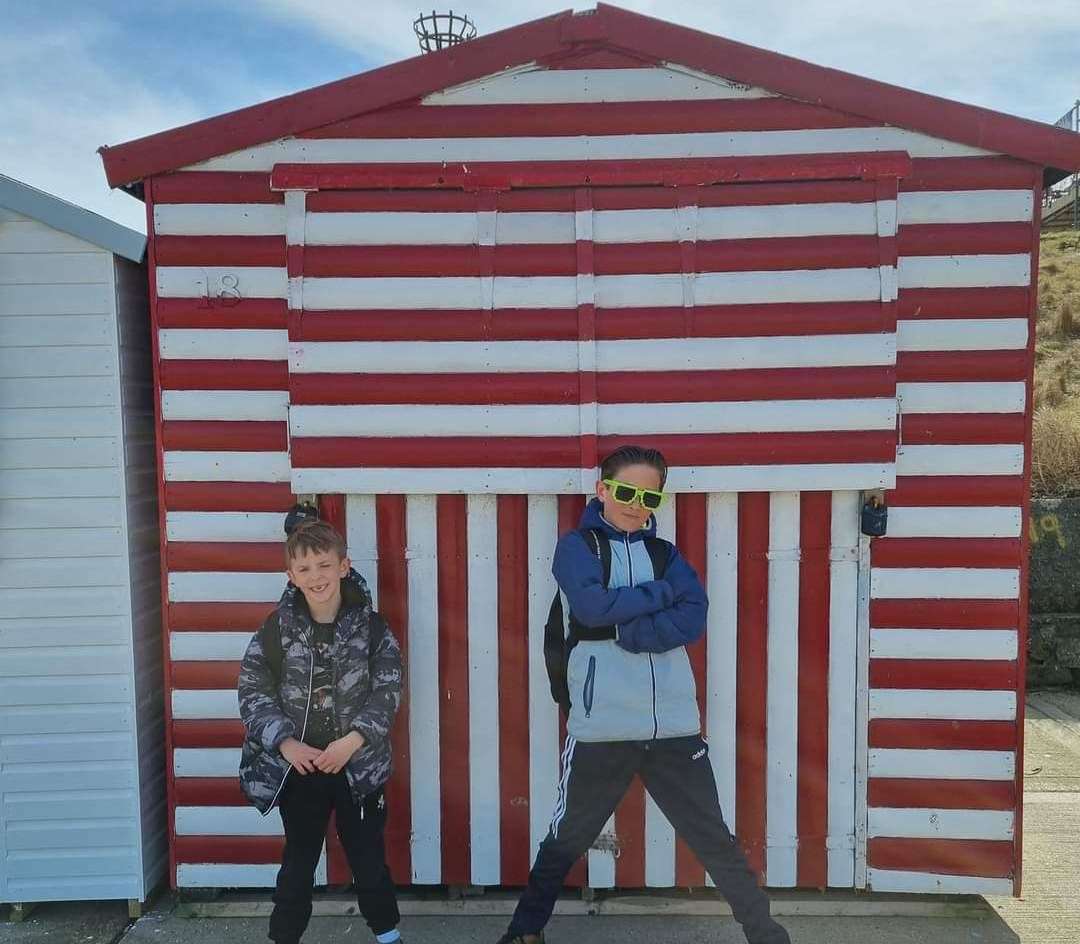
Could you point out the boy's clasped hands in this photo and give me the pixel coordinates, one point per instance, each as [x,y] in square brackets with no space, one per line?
[306,759]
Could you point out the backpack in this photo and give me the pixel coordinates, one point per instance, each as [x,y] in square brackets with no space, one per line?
[562,631]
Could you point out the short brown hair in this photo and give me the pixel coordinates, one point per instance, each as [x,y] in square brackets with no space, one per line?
[634,455]
[313,537]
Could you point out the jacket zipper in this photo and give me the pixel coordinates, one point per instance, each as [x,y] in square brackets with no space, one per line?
[652,666]
[590,682]
[303,730]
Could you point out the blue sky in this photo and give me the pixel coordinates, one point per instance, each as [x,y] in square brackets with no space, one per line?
[77,75]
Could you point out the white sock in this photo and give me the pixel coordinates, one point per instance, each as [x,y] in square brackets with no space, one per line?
[388,937]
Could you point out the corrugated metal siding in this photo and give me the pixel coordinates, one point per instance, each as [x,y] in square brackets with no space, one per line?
[69,785]
[952,560]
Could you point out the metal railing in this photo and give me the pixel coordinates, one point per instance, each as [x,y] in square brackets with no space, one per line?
[1070,121]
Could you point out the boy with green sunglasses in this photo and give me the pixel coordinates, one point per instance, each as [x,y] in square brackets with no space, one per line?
[634,605]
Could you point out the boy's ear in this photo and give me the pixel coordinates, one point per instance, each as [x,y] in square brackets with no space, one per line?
[601,489]
[346,564]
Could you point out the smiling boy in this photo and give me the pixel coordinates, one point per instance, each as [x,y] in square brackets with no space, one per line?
[319,686]
[634,606]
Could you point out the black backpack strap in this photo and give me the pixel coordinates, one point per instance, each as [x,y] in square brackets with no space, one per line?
[660,553]
[600,544]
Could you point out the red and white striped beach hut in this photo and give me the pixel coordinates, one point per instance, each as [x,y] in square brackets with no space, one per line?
[434,293]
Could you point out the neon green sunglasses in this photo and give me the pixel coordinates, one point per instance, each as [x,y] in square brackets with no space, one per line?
[626,494]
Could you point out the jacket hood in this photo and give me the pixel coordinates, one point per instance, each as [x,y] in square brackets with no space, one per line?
[593,517]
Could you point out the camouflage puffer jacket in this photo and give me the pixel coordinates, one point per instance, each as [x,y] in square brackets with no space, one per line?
[274,691]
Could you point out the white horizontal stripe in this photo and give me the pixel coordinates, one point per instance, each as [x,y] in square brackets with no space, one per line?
[250,281]
[213,587]
[941,765]
[944,522]
[226,526]
[226,466]
[940,823]
[983,271]
[512,481]
[225,821]
[382,228]
[960,460]
[703,144]
[962,397]
[209,647]
[657,354]
[451,293]
[613,419]
[943,644]
[223,344]
[889,880]
[224,875]
[966,206]
[206,761]
[224,404]
[949,705]
[945,583]
[962,334]
[219,219]
[194,704]
[531,84]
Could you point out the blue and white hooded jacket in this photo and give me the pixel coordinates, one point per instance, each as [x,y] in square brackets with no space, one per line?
[638,686]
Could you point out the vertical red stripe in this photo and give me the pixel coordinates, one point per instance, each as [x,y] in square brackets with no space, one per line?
[630,830]
[690,529]
[332,511]
[513,564]
[453,688]
[394,607]
[753,676]
[570,509]
[813,772]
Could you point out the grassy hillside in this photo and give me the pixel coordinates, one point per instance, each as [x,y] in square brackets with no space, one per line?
[1056,454]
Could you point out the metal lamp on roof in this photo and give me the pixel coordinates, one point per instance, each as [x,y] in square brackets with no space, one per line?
[439,30]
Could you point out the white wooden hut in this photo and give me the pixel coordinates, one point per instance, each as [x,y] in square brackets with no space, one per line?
[82,775]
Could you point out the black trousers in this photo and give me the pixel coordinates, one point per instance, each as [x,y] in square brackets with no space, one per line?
[305,805]
[679,776]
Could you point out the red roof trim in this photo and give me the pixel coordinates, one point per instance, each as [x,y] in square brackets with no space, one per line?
[414,78]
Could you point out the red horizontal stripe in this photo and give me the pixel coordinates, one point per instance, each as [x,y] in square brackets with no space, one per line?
[561,119]
[227,617]
[206,313]
[220,250]
[969,173]
[472,325]
[215,187]
[228,496]
[958,490]
[561,199]
[942,735]
[223,375]
[946,366]
[944,614]
[963,239]
[216,733]
[204,676]
[946,552]
[982,857]
[943,674]
[208,791]
[734,255]
[565,452]
[945,794]
[228,556]
[613,387]
[208,436]
[1004,302]
[233,850]
[928,429]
